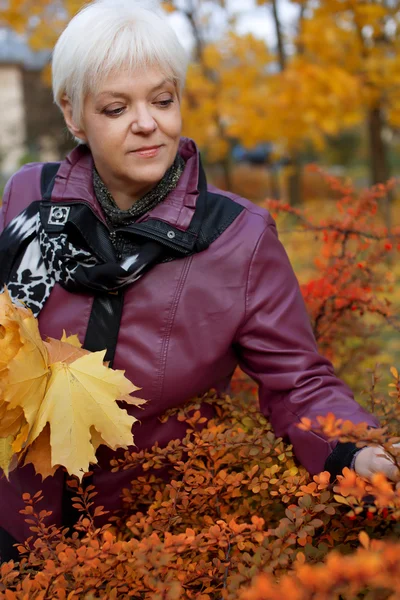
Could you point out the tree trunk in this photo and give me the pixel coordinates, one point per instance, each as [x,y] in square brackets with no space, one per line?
[274,188]
[378,151]
[279,36]
[294,184]
[379,161]
[228,175]
[295,195]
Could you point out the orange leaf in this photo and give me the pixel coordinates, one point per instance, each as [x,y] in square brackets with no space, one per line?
[11,420]
[10,342]
[39,454]
[60,351]
[364,539]
[21,438]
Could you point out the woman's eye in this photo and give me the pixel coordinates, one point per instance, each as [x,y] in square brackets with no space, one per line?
[113,112]
[164,103]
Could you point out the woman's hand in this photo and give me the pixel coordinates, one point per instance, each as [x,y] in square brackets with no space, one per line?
[374,459]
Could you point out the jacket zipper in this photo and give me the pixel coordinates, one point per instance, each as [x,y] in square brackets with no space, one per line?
[113,232]
[151,236]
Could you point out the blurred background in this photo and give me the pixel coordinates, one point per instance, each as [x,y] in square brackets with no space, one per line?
[272,86]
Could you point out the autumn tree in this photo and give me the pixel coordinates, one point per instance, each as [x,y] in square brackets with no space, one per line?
[294,179]
[203,109]
[362,40]
[249,93]
[240,90]
[217,112]
[325,84]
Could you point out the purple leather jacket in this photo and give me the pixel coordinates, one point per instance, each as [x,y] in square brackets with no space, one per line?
[185,326]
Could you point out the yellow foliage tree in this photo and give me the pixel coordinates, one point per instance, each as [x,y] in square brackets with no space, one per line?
[239,90]
[221,94]
[362,40]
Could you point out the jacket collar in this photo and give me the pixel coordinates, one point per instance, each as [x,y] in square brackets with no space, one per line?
[74,184]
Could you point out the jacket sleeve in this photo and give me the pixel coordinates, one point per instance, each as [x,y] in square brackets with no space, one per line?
[277,349]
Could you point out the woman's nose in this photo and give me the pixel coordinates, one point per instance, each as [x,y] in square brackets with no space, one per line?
[143,121]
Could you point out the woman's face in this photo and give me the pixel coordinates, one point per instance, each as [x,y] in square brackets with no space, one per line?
[132,125]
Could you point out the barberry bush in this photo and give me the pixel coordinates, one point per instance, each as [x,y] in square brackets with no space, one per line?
[350,290]
[227,512]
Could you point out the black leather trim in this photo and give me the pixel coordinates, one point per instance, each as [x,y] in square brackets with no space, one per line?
[47,179]
[221,212]
[7,550]
[104,321]
[182,242]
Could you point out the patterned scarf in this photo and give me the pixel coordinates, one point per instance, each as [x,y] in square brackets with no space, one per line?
[44,245]
[116,217]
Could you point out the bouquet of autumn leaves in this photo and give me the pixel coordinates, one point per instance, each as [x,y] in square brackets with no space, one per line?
[58,402]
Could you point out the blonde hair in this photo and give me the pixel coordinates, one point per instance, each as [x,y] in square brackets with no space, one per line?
[108,35]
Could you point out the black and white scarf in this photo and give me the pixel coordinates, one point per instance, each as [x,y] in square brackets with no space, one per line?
[47,244]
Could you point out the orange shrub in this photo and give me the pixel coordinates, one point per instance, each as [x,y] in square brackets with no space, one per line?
[237,507]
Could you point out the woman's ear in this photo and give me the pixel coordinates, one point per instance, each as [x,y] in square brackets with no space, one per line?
[66,108]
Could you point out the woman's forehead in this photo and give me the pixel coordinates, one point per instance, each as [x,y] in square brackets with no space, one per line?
[146,79]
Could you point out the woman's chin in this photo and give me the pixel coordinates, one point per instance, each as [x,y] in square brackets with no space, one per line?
[147,174]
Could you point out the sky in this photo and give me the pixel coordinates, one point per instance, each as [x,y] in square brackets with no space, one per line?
[252,19]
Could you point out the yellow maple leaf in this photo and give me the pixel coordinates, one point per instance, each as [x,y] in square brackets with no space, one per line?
[23,381]
[6,454]
[79,396]
[71,339]
[58,402]
[10,321]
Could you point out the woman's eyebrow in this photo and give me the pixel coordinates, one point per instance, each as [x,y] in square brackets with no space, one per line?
[115,94]
[162,83]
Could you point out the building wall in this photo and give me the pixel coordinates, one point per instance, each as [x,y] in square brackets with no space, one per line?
[31,125]
[46,134]
[12,119]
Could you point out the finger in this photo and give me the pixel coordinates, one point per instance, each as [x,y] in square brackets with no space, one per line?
[391,471]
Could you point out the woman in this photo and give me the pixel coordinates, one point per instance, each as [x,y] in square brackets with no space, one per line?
[124,244]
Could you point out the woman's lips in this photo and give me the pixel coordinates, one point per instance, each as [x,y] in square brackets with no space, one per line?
[148,152]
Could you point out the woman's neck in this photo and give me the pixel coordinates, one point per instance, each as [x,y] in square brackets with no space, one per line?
[127,207]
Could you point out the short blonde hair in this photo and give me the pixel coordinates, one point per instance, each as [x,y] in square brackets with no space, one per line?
[107,35]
